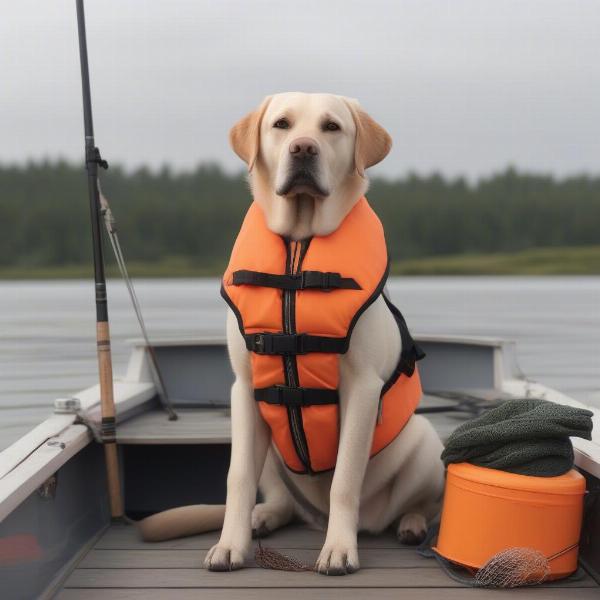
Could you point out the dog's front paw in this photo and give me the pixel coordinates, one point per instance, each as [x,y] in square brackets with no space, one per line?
[224,558]
[337,559]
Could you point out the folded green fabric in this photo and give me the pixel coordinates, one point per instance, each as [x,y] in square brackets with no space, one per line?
[529,437]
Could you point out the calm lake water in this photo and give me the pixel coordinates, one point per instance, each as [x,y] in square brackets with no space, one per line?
[47,329]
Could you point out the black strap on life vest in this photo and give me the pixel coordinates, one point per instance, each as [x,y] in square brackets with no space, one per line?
[296,343]
[300,281]
[296,396]
[411,351]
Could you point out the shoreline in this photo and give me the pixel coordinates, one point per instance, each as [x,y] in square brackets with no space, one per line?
[579,260]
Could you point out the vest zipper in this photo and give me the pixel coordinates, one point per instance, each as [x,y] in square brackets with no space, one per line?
[294,249]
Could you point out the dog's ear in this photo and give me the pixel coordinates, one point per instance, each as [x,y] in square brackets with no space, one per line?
[244,136]
[372,143]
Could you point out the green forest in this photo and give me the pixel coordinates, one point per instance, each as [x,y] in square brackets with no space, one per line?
[183,224]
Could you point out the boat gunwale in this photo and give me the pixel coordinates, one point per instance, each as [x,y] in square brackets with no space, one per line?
[210,340]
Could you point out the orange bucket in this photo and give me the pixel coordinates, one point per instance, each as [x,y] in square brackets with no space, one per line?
[487,511]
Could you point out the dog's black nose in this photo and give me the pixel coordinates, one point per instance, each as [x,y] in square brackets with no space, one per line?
[304,147]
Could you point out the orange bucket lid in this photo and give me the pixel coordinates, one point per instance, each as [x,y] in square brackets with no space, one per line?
[572,482]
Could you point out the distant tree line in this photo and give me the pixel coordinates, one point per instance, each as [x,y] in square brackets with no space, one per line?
[44,218]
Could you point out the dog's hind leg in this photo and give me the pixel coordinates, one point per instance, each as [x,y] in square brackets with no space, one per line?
[418,489]
[412,526]
[277,507]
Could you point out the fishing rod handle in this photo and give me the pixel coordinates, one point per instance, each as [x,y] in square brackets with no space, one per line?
[107,407]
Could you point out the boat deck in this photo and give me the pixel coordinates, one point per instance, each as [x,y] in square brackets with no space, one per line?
[120,566]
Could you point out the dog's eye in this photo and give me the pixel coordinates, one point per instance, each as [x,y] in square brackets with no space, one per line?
[331,126]
[282,124]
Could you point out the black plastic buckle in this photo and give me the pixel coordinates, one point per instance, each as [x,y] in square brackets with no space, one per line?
[325,280]
[302,280]
[407,365]
[278,343]
[300,337]
[330,281]
[259,344]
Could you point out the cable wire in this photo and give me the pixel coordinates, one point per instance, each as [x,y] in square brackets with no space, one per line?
[110,223]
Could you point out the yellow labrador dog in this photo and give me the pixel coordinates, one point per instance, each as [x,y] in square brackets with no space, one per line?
[400,486]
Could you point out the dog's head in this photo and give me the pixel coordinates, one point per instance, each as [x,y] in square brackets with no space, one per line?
[306,157]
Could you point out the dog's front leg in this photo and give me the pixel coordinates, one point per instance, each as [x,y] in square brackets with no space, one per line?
[249,443]
[250,439]
[358,405]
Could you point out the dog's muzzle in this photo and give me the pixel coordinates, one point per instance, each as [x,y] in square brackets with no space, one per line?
[302,176]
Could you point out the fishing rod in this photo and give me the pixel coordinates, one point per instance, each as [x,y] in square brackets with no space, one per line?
[93,160]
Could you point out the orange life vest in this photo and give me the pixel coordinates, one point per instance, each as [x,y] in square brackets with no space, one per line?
[296,303]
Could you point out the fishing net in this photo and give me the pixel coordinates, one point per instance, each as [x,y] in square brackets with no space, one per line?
[267,558]
[510,568]
[514,567]
[517,567]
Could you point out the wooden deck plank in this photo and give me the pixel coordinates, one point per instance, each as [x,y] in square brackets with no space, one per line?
[324,594]
[122,567]
[400,558]
[122,537]
[431,577]
[206,426]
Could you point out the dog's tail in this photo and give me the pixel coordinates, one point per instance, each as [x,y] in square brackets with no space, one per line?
[181,521]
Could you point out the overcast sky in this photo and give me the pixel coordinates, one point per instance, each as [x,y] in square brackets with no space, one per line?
[463,86]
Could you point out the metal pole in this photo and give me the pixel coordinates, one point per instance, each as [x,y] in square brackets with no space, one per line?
[107,403]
